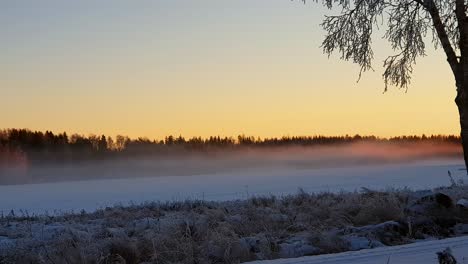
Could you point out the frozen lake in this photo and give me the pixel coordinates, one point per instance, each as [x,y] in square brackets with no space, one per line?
[239,184]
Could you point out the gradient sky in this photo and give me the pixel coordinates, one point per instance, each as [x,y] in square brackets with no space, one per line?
[200,68]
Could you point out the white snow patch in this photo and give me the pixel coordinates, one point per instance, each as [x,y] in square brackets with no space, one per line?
[417,253]
[463,203]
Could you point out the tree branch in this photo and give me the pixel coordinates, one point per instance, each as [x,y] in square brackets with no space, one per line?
[460,13]
[442,34]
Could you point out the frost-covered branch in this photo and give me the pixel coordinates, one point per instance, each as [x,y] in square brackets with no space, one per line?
[407,24]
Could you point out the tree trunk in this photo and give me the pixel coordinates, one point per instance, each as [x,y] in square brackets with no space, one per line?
[462,104]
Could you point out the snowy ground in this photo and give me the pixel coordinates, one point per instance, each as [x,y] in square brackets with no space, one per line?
[255,229]
[417,253]
[239,184]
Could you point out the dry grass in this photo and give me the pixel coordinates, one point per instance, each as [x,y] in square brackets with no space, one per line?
[211,232]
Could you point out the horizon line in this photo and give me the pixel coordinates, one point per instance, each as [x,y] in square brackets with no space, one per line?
[235,136]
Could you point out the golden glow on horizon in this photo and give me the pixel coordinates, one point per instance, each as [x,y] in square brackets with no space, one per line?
[263,76]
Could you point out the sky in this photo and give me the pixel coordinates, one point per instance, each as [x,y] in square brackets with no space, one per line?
[201,68]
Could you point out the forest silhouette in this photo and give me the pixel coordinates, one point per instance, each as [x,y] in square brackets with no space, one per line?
[28,156]
[37,146]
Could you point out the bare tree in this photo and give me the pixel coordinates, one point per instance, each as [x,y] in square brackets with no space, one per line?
[410,24]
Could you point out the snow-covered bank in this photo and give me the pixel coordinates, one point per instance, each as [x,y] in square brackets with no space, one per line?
[260,228]
[417,253]
[93,194]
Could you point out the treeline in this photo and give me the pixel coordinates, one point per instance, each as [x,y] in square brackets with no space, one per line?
[19,144]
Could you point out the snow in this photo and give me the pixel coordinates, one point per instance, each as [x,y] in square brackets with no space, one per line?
[239,184]
[417,253]
[359,242]
[463,203]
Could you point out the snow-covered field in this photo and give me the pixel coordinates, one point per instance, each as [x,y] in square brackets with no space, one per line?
[239,184]
[417,253]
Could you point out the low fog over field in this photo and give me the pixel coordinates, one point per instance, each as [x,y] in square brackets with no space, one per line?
[227,175]
[222,161]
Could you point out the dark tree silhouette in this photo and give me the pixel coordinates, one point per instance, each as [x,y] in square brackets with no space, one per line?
[36,148]
[102,144]
[408,23]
